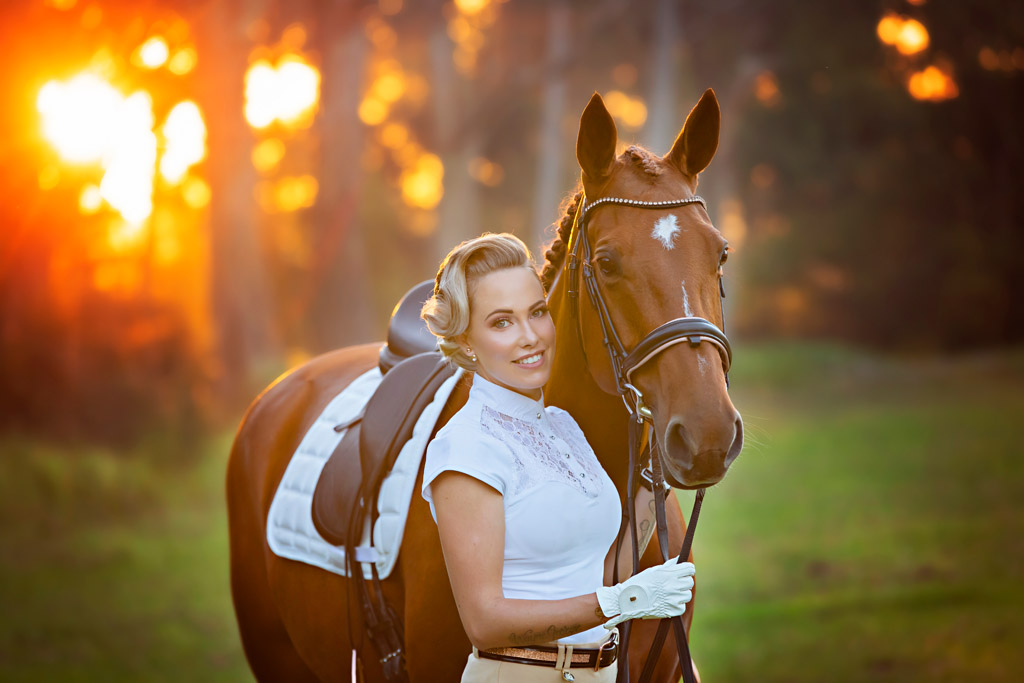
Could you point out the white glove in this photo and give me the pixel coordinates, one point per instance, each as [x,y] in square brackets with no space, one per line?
[655,593]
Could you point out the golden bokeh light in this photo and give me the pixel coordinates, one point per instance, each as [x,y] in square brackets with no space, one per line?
[127,183]
[90,199]
[932,84]
[380,34]
[196,192]
[471,6]
[389,87]
[486,172]
[123,236]
[913,37]
[732,223]
[61,4]
[294,37]
[49,177]
[152,54]
[184,141]
[422,185]
[78,116]
[287,194]
[372,111]
[631,112]
[888,28]
[183,61]
[988,59]
[267,154]
[766,89]
[288,92]
[394,135]
[908,36]
[88,121]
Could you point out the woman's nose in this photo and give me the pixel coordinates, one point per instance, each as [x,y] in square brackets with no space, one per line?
[529,336]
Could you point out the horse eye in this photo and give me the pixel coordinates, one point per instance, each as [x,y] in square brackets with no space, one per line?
[725,257]
[607,265]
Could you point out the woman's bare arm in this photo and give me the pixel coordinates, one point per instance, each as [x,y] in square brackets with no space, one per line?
[471,523]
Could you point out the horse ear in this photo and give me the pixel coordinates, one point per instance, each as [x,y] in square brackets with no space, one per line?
[595,145]
[695,147]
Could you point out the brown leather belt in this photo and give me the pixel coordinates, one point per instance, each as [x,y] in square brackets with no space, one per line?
[547,655]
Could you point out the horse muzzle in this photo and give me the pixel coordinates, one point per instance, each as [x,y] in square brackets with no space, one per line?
[693,459]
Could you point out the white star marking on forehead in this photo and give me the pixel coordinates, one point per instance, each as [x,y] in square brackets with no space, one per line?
[665,230]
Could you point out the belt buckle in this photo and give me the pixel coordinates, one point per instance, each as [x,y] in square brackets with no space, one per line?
[610,643]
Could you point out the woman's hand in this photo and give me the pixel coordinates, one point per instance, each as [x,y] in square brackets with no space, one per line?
[655,593]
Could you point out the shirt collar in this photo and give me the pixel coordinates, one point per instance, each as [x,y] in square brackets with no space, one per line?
[506,401]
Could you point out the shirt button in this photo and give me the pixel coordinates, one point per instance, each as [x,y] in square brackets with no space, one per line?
[583,474]
[538,416]
[567,455]
[552,437]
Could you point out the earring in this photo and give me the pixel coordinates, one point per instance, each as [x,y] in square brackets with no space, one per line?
[472,356]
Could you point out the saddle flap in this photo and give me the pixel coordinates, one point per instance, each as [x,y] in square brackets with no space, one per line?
[352,475]
[393,410]
[337,489]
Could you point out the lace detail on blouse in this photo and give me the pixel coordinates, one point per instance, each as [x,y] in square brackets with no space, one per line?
[541,456]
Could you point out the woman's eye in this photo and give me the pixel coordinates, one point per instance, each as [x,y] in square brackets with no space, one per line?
[540,312]
[501,323]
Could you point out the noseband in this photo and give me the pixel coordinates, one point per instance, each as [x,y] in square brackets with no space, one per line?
[689,329]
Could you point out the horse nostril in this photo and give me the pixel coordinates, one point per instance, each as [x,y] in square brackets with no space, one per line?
[677,444]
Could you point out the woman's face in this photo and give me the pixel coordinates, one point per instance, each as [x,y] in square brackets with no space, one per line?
[510,330]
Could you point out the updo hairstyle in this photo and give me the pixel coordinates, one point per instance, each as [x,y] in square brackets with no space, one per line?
[446,312]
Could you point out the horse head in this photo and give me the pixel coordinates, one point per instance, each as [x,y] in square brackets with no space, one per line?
[652,265]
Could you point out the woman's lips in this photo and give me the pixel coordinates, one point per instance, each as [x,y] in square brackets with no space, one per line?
[531,361]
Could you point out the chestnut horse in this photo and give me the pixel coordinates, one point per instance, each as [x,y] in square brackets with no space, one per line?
[652,266]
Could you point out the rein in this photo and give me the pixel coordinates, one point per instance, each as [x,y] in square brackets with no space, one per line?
[690,329]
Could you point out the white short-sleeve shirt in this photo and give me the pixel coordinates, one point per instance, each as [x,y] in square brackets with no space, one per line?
[562,512]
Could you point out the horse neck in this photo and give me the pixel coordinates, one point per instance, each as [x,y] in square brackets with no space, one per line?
[600,415]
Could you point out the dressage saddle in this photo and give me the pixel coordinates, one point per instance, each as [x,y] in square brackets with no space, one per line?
[345,498]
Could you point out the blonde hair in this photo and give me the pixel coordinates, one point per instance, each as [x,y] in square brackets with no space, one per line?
[447,311]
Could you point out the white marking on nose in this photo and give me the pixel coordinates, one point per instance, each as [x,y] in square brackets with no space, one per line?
[703,364]
[665,230]
[686,303]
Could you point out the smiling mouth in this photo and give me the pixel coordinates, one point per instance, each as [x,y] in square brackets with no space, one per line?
[530,360]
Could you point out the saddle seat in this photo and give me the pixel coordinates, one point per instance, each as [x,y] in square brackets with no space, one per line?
[407,333]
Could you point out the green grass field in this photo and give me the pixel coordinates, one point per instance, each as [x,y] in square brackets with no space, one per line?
[871,530]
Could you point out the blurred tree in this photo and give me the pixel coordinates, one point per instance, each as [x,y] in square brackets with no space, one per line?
[875,217]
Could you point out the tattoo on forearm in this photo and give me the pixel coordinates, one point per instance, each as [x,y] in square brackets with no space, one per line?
[550,633]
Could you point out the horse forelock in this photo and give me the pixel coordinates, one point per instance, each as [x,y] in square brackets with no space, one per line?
[642,160]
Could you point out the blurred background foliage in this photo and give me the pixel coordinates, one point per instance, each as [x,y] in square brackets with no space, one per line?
[197,195]
[246,183]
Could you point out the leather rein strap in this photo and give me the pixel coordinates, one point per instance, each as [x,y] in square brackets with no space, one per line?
[692,330]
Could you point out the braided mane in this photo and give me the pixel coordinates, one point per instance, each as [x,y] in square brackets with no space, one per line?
[554,257]
[647,165]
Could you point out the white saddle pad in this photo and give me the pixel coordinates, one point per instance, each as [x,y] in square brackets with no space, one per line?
[290,530]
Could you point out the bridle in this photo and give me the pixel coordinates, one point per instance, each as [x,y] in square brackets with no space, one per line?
[685,329]
[689,329]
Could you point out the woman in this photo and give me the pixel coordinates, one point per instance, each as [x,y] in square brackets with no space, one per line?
[526,514]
